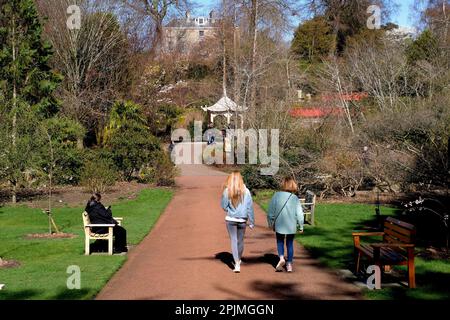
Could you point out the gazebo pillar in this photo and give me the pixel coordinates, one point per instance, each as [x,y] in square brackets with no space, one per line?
[228,116]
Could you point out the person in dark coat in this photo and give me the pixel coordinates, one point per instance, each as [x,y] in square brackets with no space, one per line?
[98,214]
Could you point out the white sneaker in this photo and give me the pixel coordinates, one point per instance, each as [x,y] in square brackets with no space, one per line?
[289,267]
[280,264]
[237,267]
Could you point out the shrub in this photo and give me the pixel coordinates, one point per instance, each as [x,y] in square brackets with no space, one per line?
[132,146]
[64,135]
[98,175]
[160,172]
[254,180]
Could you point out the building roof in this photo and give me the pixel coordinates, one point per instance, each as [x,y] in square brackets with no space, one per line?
[223,105]
[314,112]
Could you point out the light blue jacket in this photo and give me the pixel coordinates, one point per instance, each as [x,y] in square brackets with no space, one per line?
[244,209]
[290,217]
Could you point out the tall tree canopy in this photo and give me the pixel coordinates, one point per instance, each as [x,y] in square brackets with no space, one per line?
[26,80]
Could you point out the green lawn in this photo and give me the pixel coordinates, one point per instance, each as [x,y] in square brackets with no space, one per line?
[330,241]
[42,274]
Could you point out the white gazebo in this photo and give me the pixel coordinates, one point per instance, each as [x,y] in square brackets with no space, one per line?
[225,107]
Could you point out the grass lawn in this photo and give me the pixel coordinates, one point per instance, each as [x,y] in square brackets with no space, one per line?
[330,241]
[42,273]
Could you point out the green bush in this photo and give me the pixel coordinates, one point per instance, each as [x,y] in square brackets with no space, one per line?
[132,147]
[161,172]
[98,174]
[64,135]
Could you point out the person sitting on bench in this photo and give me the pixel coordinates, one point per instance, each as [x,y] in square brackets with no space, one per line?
[98,214]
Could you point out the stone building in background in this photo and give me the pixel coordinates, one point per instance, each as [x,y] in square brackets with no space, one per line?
[185,35]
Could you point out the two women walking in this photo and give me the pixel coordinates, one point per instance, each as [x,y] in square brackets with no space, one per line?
[285,214]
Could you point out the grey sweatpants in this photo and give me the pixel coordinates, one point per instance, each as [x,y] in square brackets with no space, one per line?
[236,230]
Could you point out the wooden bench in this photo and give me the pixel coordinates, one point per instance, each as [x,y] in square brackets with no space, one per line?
[309,205]
[397,247]
[89,235]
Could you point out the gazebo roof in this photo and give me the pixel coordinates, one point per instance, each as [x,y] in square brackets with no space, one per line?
[223,105]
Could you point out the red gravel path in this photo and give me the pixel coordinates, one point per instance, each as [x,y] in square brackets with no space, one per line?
[185,255]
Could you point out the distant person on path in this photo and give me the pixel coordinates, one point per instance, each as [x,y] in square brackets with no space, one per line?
[98,214]
[284,215]
[238,205]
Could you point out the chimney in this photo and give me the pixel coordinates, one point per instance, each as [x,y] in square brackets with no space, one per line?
[188,16]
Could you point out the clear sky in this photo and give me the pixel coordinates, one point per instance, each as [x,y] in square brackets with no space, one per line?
[402,16]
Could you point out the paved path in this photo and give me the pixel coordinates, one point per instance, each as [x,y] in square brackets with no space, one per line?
[187,255]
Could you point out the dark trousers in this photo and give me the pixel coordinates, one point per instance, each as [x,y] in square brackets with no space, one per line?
[120,238]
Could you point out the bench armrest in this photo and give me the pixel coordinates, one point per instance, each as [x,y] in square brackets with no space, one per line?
[308,204]
[393,245]
[117,218]
[367,234]
[100,225]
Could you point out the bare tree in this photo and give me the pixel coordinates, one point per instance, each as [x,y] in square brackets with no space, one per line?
[92,59]
[157,11]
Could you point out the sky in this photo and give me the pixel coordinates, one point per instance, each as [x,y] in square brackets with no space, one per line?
[400,17]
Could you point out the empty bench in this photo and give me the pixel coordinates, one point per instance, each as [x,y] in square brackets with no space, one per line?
[309,206]
[397,247]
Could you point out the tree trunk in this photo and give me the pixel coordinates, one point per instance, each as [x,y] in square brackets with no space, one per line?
[254,30]
[235,58]
[224,80]
[14,107]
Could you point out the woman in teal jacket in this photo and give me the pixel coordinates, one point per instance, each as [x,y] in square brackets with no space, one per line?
[285,214]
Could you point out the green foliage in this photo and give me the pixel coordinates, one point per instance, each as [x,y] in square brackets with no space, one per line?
[98,174]
[425,47]
[20,162]
[132,146]
[121,113]
[160,172]
[162,119]
[197,71]
[313,40]
[61,150]
[24,60]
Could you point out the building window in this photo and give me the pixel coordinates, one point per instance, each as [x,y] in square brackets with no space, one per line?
[201,21]
[201,34]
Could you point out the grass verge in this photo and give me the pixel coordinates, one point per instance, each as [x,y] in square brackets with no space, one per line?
[330,241]
[42,273]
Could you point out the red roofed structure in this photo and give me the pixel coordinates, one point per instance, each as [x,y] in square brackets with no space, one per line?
[314,112]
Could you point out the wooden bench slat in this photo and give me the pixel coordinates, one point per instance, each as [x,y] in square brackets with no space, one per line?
[397,247]
[386,254]
[401,223]
[399,229]
[399,236]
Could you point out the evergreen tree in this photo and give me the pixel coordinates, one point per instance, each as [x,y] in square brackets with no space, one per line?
[425,47]
[27,84]
[313,40]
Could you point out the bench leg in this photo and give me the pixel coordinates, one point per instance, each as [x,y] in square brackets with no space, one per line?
[110,242]
[86,246]
[411,269]
[358,260]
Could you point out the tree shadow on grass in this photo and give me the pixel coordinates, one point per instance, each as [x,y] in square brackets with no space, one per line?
[26,294]
[76,294]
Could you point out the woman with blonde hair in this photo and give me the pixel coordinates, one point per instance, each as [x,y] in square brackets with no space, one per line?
[238,205]
[285,214]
